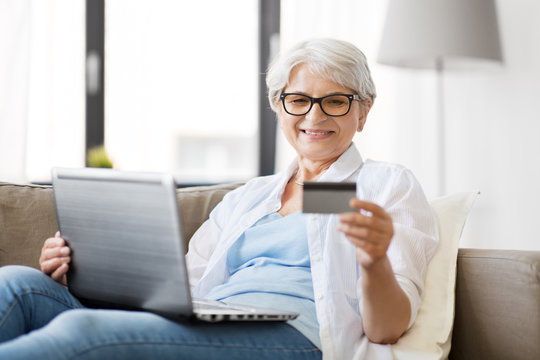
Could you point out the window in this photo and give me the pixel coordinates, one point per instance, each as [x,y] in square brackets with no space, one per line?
[182,88]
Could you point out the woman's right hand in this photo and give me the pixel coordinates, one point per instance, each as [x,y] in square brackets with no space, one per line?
[54,258]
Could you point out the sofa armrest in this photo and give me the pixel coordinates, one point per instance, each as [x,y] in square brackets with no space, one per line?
[497,305]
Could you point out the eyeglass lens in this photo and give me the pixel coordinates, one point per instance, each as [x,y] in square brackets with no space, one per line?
[333,105]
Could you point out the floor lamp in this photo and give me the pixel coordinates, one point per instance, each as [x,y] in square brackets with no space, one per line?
[440,34]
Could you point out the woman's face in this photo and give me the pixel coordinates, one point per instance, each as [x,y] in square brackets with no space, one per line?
[317,136]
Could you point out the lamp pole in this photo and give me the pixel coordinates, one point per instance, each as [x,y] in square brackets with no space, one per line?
[441,127]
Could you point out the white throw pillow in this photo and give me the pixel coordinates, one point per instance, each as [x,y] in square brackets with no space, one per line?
[430,336]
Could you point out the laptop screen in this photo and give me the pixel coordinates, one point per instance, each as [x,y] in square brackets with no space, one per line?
[124,232]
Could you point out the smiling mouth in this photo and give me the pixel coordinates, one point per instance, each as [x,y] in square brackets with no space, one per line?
[316,132]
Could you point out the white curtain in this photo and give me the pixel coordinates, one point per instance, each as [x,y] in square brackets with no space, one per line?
[15,32]
[41,87]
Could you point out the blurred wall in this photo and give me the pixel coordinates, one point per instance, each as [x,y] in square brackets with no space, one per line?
[494,129]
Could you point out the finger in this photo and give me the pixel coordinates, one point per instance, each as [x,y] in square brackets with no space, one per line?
[372,248]
[50,266]
[373,208]
[357,219]
[364,246]
[353,231]
[53,242]
[366,227]
[48,243]
[51,253]
[58,274]
[364,234]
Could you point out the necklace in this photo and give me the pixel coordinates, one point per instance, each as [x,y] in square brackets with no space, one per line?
[293,178]
[296,181]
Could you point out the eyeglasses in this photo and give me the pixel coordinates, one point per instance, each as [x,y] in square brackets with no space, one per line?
[332,105]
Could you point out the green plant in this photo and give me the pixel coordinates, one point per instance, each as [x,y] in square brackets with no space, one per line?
[97,157]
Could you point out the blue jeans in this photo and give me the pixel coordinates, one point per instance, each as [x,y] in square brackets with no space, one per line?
[56,326]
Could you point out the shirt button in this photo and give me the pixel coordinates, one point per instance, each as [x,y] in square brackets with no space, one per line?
[320,297]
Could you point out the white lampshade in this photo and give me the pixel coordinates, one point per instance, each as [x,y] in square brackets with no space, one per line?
[418,33]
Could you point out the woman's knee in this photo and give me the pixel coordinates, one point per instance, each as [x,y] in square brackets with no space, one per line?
[79,322]
[20,275]
[79,317]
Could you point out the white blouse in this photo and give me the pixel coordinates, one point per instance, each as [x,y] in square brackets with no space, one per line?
[335,271]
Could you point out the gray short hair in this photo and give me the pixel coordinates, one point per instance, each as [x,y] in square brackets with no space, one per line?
[335,60]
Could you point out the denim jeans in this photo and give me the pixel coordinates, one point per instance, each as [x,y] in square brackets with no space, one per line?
[40,319]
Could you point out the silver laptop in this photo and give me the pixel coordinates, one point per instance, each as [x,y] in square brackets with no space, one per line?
[127,247]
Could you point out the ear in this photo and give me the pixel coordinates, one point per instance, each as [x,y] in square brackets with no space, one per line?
[279,116]
[365,106]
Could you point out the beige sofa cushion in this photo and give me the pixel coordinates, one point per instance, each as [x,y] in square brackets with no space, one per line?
[195,204]
[28,217]
[497,305]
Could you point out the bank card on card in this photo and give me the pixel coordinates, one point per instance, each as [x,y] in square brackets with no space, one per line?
[328,197]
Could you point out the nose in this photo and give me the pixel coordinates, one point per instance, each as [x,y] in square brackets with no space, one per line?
[316,114]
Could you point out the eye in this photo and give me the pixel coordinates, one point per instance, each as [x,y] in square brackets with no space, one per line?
[297,100]
[336,101]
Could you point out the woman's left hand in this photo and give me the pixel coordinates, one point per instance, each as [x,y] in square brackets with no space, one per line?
[371,231]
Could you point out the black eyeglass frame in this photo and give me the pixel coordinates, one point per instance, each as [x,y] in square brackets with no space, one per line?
[319,100]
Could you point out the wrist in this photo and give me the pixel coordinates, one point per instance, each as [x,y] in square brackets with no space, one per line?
[380,271]
[369,263]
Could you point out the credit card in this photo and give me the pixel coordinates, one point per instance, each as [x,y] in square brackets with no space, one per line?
[328,197]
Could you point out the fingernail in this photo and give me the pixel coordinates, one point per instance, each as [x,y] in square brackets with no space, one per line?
[64,251]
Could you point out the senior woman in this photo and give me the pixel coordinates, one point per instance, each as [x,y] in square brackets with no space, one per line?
[356,278]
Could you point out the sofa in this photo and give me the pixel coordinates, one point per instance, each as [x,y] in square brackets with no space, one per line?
[497,293]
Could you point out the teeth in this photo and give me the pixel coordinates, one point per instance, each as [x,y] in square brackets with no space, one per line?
[316,132]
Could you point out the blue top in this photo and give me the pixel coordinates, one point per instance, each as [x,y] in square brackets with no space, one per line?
[270,267]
